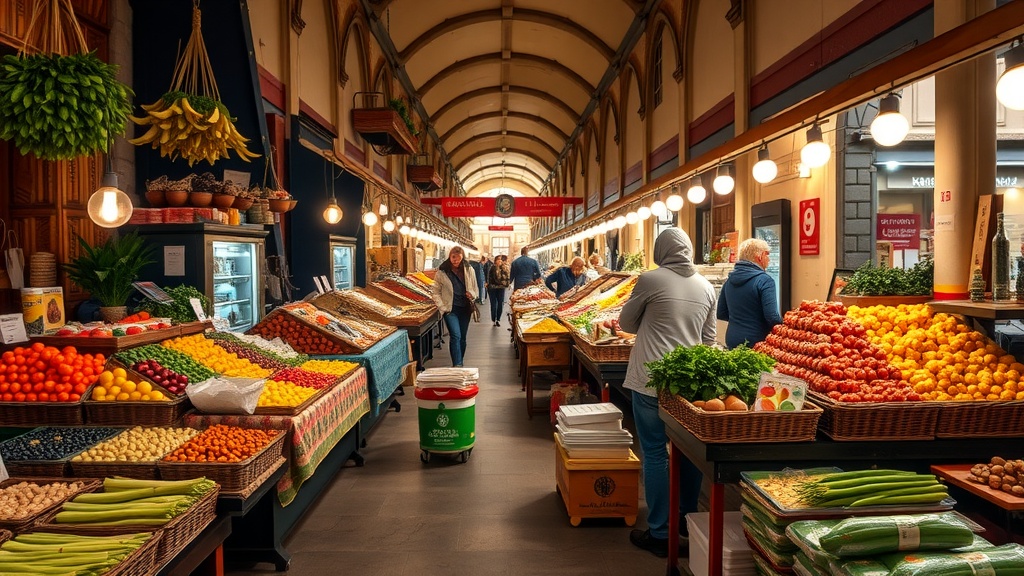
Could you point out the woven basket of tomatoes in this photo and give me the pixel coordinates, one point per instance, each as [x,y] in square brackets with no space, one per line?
[42,384]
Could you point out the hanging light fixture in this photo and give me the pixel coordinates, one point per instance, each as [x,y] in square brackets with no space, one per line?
[644,212]
[1010,87]
[815,152]
[404,230]
[370,218]
[399,220]
[109,206]
[388,226]
[383,208]
[632,218]
[332,213]
[659,209]
[724,182]
[765,170]
[619,222]
[696,194]
[889,127]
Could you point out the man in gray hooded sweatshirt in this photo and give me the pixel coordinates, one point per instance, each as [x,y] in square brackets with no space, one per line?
[669,307]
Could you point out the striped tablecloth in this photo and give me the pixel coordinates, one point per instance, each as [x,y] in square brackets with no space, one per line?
[384,361]
[312,433]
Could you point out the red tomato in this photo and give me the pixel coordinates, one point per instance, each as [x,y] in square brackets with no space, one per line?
[19,397]
[38,346]
[80,388]
[7,397]
[75,397]
[44,397]
[31,397]
[63,397]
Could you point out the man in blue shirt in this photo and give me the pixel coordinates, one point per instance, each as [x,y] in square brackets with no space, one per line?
[524,271]
[567,277]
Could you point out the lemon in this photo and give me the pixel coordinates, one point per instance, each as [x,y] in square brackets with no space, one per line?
[146,398]
[128,386]
[156,395]
[136,395]
[120,373]
[106,377]
[96,395]
[123,396]
[119,380]
[145,387]
[113,390]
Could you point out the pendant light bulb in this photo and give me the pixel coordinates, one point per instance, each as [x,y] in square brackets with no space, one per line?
[389,226]
[724,182]
[108,206]
[674,202]
[765,170]
[404,230]
[333,212]
[382,209]
[659,209]
[889,127]
[644,212]
[370,218]
[1010,87]
[696,194]
[619,222]
[632,218]
[815,152]
[399,220]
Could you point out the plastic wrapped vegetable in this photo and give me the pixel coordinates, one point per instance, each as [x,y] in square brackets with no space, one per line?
[873,535]
[1005,560]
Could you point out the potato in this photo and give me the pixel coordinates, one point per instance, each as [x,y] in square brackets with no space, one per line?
[1009,467]
[995,482]
[997,460]
[1017,490]
[714,405]
[998,470]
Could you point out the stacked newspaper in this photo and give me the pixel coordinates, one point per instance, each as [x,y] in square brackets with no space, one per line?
[447,377]
[592,431]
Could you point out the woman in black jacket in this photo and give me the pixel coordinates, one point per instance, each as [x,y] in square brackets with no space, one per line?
[498,281]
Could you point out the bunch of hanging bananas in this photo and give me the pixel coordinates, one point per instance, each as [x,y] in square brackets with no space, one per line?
[193,127]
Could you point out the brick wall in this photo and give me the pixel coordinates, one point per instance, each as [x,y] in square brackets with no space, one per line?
[857,198]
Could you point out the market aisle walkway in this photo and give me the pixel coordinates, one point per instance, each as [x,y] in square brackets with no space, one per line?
[497,514]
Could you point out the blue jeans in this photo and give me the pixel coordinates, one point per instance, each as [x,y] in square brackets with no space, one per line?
[497,296]
[457,322]
[653,442]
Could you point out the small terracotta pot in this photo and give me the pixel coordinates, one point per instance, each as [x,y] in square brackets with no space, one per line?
[112,314]
[200,199]
[223,201]
[292,204]
[280,204]
[242,203]
[156,198]
[176,198]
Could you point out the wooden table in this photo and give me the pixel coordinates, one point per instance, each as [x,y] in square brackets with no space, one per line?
[610,374]
[541,352]
[723,463]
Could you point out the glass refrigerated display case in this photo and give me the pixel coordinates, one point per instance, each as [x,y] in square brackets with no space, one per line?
[342,260]
[771,223]
[236,285]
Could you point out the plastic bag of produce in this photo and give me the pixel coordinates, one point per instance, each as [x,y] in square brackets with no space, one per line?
[802,564]
[873,535]
[223,395]
[1005,560]
[777,534]
[806,533]
[878,567]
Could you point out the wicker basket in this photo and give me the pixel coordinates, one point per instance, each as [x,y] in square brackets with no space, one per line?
[137,470]
[232,476]
[249,490]
[112,344]
[47,468]
[980,419]
[877,420]
[141,562]
[175,535]
[751,426]
[609,353]
[32,414]
[5,535]
[89,484]
[136,412]
[343,346]
[386,296]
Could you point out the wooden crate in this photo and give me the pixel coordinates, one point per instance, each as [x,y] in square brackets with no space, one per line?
[598,487]
[553,352]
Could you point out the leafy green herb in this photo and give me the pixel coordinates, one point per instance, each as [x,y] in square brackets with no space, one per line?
[871,281]
[61,107]
[108,270]
[398,105]
[583,320]
[703,372]
[181,309]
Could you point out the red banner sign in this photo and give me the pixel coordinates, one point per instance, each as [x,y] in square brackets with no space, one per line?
[903,230]
[810,228]
[504,206]
[499,228]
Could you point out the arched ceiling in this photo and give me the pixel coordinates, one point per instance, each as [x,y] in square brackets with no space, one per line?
[505,82]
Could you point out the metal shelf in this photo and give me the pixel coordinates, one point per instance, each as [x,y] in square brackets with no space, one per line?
[233,277]
[229,302]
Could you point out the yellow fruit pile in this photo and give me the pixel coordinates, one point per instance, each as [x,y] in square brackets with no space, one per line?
[207,353]
[941,358]
[284,394]
[333,367]
[114,385]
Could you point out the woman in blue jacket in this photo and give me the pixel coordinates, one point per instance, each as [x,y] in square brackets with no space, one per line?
[748,302]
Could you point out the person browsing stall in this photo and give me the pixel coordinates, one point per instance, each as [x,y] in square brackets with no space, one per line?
[454,292]
[524,271]
[567,277]
[670,306]
[748,300]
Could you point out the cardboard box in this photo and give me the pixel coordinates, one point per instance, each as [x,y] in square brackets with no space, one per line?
[43,309]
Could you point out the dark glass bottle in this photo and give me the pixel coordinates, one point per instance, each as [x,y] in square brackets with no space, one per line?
[1000,263]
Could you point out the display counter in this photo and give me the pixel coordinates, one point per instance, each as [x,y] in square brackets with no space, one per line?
[723,463]
[610,374]
[541,352]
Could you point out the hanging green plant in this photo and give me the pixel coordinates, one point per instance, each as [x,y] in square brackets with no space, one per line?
[58,106]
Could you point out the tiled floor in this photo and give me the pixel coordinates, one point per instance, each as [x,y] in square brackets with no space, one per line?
[496,514]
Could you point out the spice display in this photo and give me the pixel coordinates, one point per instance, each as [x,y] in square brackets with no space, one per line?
[305,378]
[263,360]
[42,373]
[207,353]
[53,443]
[26,499]
[546,326]
[137,444]
[284,394]
[223,443]
[335,367]
[360,303]
[114,385]
[273,349]
[406,289]
[1000,474]
[127,502]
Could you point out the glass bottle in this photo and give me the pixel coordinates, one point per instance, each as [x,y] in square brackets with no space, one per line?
[1000,263]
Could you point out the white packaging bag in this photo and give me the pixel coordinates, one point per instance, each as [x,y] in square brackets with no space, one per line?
[223,395]
[15,261]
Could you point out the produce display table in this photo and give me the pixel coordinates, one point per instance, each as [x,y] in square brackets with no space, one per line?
[204,555]
[611,374]
[422,339]
[313,433]
[723,463]
[541,352]
[383,362]
[255,536]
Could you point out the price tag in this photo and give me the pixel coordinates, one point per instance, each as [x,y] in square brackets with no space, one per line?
[221,325]
[197,307]
[3,470]
[327,284]
[319,285]
[12,328]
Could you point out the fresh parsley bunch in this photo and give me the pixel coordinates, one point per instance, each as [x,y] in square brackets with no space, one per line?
[704,372]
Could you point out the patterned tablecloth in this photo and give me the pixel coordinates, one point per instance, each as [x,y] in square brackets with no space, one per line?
[384,361]
[313,432]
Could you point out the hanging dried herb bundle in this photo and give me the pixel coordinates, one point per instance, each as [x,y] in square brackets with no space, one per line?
[190,121]
[55,105]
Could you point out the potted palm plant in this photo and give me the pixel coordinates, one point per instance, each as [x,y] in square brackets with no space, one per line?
[108,270]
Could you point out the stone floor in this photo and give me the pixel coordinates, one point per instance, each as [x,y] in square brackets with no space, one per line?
[496,514]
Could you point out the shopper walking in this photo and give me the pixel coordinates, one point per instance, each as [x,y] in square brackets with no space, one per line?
[478,274]
[567,277]
[670,306]
[486,265]
[524,271]
[748,300]
[497,283]
[455,291]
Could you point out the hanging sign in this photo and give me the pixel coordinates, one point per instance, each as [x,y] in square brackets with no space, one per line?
[903,230]
[810,230]
[503,206]
[499,228]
